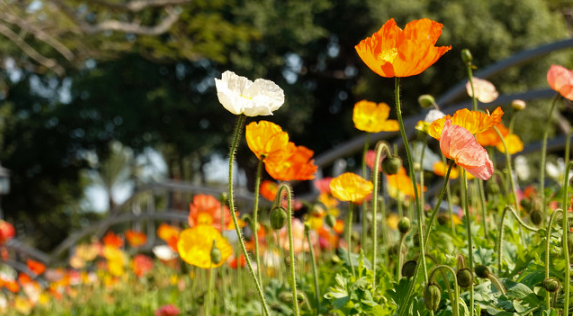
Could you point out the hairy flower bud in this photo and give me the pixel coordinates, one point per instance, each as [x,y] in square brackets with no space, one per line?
[330,220]
[409,268]
[465,277]
[443,219]
[215,254]
[404,225]
[278,218]
[391,165]
[551,285]
[432,296]
[467,56]
[426,101]
[536,217]
[518,105]
[482,271]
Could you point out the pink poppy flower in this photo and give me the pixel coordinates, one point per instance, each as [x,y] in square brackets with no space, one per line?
[561,80]
[371,157]
[323,185]
[167,310]
[459,144]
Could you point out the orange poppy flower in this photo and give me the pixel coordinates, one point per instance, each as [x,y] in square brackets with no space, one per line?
[266,140]
[473,121]
[23,278]
[490,137]
[11,285]
[7,231]
[35,266]
[298,165]
[195,244]
[560,79]
[440,169]
[350,187]
[207,210]
[392,52]
[169,234]
[400,184]
[458,144]
[513,143]
[135,238]
[373,118]
[111,239]
[269,190]
[236,263]
[142,264]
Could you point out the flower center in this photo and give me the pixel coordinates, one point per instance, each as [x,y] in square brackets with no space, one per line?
[204,219]
[388,55]
[246,97]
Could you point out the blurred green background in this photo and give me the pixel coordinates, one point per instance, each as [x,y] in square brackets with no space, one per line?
[92,92]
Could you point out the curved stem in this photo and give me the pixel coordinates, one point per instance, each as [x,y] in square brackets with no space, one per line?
[292,279]
[380,146]
[400,260]
[349,235]
[543,158]
[364,203]
[502,232]
[236,137]
[314,272]
[548,251]
[455,304]
[469,234]
[256,220]
[509,169]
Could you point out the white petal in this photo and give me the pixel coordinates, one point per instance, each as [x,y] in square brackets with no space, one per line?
[434,115]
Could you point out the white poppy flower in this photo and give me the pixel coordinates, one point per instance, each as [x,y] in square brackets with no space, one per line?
[433,115]
[164,252]
[485,90]
[521,168]
[240,95]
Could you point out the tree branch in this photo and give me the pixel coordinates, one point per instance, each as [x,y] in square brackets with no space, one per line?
[30,51]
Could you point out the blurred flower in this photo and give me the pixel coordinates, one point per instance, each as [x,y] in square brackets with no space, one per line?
[35,266]
[298,165]
[111,239]
[7,231]
[391,52]
[207,210]
[135,238]
[195,244]
[350,187]
[373,118]
[77,262]
[433,115]
[513,143]
[170,234]
[269,190]
[323,185]
[490,137]
[299,241]
[440,169]
[236,263]
[557,171]
[521,168]
[167,310]
[142,264]
[473,121]
[22,305]
[400,185]
[164,253]
[560,79]
[88,252]
[240,95]
[371,157]
[485,90]
[459,144]
[267,140]
[392,221]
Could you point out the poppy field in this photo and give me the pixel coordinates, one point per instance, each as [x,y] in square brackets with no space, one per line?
[373,240]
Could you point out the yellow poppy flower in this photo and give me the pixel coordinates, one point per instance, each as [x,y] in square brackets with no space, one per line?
[195,244]
[266,140]
[440,169]
[373,118]
[513,143]
[350,187]
[475,122]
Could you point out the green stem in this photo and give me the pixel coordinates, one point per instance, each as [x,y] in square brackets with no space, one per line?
[469,233]
[502,232]
[509,169]
[349,235]
[209,301]
[314,273]
[364,203]
[292,279]
[455,304]
[380,146]
[256,220]
[236,137]
[470,76]
[414,186]
[567,147]
[543,158]
[483,206]
[565,224]
[400,259]
[548,252]
[512,123]
[502,180]
[422,200]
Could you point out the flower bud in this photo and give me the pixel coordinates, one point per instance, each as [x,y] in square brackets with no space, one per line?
[536,217]
[432,296]
[215,253]
[306,227]
[223,198]
[278,218]
[404,225]
[536,204]
[465,277]
[492,188]
[467,56]
[391,165]
[551,285]
[426,101]
[526,204]
[443,219]
[518,105]
[482,271]
[330,220]
[409,268]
